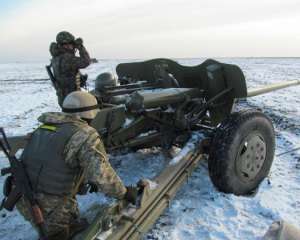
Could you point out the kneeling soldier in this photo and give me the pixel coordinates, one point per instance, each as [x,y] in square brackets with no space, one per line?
[63,153]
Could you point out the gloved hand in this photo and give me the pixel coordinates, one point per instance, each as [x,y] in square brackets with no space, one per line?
[78,42]
[87,187]
[83,79]
[131,194]
[93,188]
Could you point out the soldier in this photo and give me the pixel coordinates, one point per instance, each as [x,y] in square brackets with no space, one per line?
[62,154]
[66,65]
[103,80]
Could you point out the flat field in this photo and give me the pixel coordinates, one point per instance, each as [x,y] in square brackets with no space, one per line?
[198,210]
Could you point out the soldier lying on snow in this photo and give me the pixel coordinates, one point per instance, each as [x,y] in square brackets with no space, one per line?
[63,154]
[66,65]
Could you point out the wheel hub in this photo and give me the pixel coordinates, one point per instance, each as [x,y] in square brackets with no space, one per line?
[251,157]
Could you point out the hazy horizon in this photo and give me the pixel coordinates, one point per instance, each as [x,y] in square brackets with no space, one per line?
[144,29]
[47,61]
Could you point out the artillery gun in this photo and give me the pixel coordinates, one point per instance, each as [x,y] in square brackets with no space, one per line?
[162,103]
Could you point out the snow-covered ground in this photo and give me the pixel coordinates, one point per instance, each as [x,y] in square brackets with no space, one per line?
[198,211]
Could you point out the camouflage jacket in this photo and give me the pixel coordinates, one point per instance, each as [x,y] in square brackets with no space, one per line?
[85,150]
[66,66]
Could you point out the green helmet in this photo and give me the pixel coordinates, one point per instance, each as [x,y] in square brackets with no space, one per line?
[64,37]
[105,79]
[81,104]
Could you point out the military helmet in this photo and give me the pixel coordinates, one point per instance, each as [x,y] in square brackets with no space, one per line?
[81,104]
[64,37]
[105,79]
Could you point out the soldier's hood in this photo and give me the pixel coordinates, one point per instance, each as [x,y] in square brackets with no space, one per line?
[59,117]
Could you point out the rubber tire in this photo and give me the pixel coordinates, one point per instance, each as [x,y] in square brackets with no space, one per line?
[225,146]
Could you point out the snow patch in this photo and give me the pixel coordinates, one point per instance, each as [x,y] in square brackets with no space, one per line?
[127,122]
[189,147]
[152,184]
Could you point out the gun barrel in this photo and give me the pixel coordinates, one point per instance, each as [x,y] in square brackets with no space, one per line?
[272,87]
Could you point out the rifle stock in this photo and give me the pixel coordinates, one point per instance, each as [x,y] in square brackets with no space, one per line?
[10,202]
[51,76]
[21,187]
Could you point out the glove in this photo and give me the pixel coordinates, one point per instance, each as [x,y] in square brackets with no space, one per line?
[93,188]
[78,42]
[83,79]
[87,187]
[131,195]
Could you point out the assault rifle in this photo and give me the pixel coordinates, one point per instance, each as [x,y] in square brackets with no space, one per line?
[83,78]
[17,185]
[51,76]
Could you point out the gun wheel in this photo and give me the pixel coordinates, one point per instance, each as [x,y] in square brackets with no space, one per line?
[242,152]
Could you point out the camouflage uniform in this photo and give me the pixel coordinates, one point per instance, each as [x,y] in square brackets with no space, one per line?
[86,151]
[66,69]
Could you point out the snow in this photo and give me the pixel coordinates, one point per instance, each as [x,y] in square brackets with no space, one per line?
[127,122]
[198,210]
[152,184]
[189,147]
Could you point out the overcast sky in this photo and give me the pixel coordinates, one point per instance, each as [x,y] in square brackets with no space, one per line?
[152,28]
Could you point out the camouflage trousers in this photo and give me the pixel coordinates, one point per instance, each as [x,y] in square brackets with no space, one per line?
[60,213]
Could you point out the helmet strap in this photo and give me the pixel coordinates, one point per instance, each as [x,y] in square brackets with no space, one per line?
[82,109]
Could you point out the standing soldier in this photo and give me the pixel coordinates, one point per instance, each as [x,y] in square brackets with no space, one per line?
[66,64]
[62,154]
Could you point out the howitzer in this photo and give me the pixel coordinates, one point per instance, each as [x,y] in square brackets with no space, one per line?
[238,144]
[17,185]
